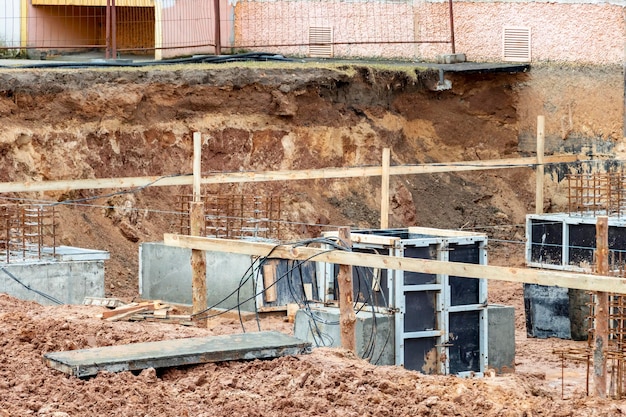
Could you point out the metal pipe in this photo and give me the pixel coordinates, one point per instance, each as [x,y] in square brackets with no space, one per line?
[113,31]
[452,26]
[218,28]
[107,23]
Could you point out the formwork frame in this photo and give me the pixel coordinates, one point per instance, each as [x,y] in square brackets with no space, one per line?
[407,296]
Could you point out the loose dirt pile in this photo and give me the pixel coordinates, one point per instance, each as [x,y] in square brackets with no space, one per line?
[328,382]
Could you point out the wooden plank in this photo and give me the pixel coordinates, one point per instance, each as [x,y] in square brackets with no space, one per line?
[177,352]
[230,314]
[270,292]
[384,189]
[444,233]
[128,308]
[268,176]
[366,239]
[347,317]
[272,309]
[532,276]
[126,314]
[540,169]
[601,322]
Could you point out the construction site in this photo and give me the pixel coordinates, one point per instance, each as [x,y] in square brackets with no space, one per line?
[327,211]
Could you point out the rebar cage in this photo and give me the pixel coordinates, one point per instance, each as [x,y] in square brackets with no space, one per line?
[27,232]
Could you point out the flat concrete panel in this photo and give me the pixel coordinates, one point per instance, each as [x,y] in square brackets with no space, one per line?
[375,336]
[165,274]
[177,352]
[70,253]
[547,311]
[68,282]
[501,341]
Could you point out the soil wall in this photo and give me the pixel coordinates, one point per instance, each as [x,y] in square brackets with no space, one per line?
[110,123]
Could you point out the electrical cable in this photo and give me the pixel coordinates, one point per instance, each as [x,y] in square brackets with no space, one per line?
[247,275]
[131,191]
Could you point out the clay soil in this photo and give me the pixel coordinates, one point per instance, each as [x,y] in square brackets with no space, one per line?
[71,124]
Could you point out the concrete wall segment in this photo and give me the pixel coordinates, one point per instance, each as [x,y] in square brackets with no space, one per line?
[68,282]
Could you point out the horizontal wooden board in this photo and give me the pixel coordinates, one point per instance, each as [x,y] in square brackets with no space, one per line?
[268,176]
[532,276]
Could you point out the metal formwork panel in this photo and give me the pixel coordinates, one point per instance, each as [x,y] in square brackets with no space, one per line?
[440,321]
[564,242]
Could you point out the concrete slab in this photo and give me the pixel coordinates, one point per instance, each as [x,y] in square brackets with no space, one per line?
[177,352]
[70,253]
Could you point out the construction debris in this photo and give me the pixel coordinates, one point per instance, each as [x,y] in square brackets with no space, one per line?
[104,302]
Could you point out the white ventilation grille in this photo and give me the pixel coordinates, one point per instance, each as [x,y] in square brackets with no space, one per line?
[516,44]
[320,42]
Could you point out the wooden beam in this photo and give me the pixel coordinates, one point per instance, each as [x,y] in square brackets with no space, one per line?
[367,239]
[541,138]
[347,317]
[270,292]
[532,276]
[384,189]
[196,223]
[601,322]
[268,176]
[445,233]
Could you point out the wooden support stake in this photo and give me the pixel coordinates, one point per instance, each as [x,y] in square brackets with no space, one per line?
[347,317]
[541,140]
[384,190]
[601,325]
[197,167]
[196,223]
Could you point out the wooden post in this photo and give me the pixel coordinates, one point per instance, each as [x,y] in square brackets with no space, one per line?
[601,325]
[541,138]
[384,190]
[196,223]
[347,317]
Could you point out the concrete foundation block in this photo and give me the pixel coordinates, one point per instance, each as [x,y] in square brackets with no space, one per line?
[501,335]
[451,58]
[547,311]
[165,274]
[68,282]
[375,336]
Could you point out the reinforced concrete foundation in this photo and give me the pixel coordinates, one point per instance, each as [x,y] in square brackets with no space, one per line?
[165,274]
[375,338]
[67,277]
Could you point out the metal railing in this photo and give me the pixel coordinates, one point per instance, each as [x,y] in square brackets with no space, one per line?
[165,28]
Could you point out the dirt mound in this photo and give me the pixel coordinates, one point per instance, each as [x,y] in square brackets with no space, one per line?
[328,382]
